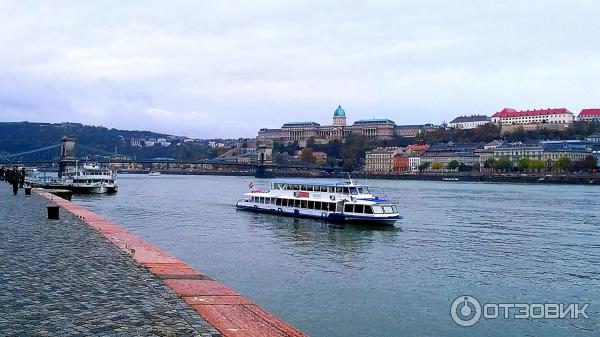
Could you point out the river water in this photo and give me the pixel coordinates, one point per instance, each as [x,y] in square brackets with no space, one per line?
[500,243]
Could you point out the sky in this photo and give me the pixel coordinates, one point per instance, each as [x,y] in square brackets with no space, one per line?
[207,69]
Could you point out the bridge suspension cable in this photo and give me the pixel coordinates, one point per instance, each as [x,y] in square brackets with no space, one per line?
[32,151]
[108,153]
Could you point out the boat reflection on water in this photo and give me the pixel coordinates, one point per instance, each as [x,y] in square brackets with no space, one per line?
[346,241]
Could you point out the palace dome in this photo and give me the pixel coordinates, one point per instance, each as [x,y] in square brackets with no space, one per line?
[339,112]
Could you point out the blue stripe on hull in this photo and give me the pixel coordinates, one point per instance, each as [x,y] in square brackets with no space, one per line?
[331,217]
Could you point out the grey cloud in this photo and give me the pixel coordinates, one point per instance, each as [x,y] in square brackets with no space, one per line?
[199,68]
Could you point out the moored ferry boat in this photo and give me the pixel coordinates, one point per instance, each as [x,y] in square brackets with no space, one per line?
[92,179]
[334,200]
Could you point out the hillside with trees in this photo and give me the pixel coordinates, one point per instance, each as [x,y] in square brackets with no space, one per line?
[16,137]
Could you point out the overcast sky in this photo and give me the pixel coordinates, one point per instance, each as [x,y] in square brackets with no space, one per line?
[227,68]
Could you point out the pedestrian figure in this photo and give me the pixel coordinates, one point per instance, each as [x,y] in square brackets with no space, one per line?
[14,180]
[22,177]
[2,173]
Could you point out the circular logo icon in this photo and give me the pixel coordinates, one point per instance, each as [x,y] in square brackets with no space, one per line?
[465,310]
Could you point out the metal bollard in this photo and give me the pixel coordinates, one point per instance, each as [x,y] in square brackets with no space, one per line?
[53,212]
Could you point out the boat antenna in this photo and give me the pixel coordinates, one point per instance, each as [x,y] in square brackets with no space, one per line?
[350,178]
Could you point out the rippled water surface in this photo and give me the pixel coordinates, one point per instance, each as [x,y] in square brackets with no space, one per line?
[498,242]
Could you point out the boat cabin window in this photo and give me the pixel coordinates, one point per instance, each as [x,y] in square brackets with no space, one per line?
[351,208]
[388,209]
[363,190]
[377,209]
[308,204]
[353,191]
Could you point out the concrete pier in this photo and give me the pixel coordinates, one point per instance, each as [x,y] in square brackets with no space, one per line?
[85,275]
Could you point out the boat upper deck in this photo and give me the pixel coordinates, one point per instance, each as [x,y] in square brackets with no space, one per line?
[319,182]
[324,186]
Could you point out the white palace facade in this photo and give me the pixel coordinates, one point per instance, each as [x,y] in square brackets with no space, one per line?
[339,130]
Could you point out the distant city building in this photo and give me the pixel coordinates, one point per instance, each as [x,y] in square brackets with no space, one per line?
[465,157]
[446,153]
[576,150]
[492,145]
[548,151]
[250,157]
[413,163]
[516,151]
[483,155]
[339,130]
[469,122]
[320,156]
[136,142]
[411,131]
[595,138]
[589,115]
[214,144]
[400,162]
[543,116]
[380,160]
[417,148]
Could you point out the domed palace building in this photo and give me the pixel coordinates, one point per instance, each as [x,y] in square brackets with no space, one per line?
[372,128]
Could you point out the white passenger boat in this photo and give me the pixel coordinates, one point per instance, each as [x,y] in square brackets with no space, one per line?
[154,173]
[91,178]
[321,199]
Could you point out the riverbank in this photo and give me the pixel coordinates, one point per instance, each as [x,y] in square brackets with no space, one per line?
[83,274]
[531,178]
[60,277]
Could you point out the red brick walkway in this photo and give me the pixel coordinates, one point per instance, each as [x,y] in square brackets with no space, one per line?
[224,308]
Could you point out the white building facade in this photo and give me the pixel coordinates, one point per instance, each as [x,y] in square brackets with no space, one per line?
[544,116]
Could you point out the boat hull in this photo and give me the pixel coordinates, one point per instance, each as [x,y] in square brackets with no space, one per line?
[94,189]
[334,217]
[80,189]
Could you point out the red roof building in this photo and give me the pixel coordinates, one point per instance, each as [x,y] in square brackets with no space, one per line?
[542,116]
[589,115]
[417,148]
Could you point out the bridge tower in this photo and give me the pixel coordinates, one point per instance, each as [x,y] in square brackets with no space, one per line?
[265,168]
[67,155]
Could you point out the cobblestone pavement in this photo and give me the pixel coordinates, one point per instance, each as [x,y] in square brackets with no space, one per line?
[60,278]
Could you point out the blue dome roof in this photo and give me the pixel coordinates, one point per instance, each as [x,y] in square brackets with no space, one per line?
[339,112]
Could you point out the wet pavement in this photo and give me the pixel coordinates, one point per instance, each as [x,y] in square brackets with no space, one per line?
[60,277]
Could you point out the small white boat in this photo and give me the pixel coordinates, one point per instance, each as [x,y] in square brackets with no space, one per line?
[321,199]
[92,179]
[154,173]
[89,178]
